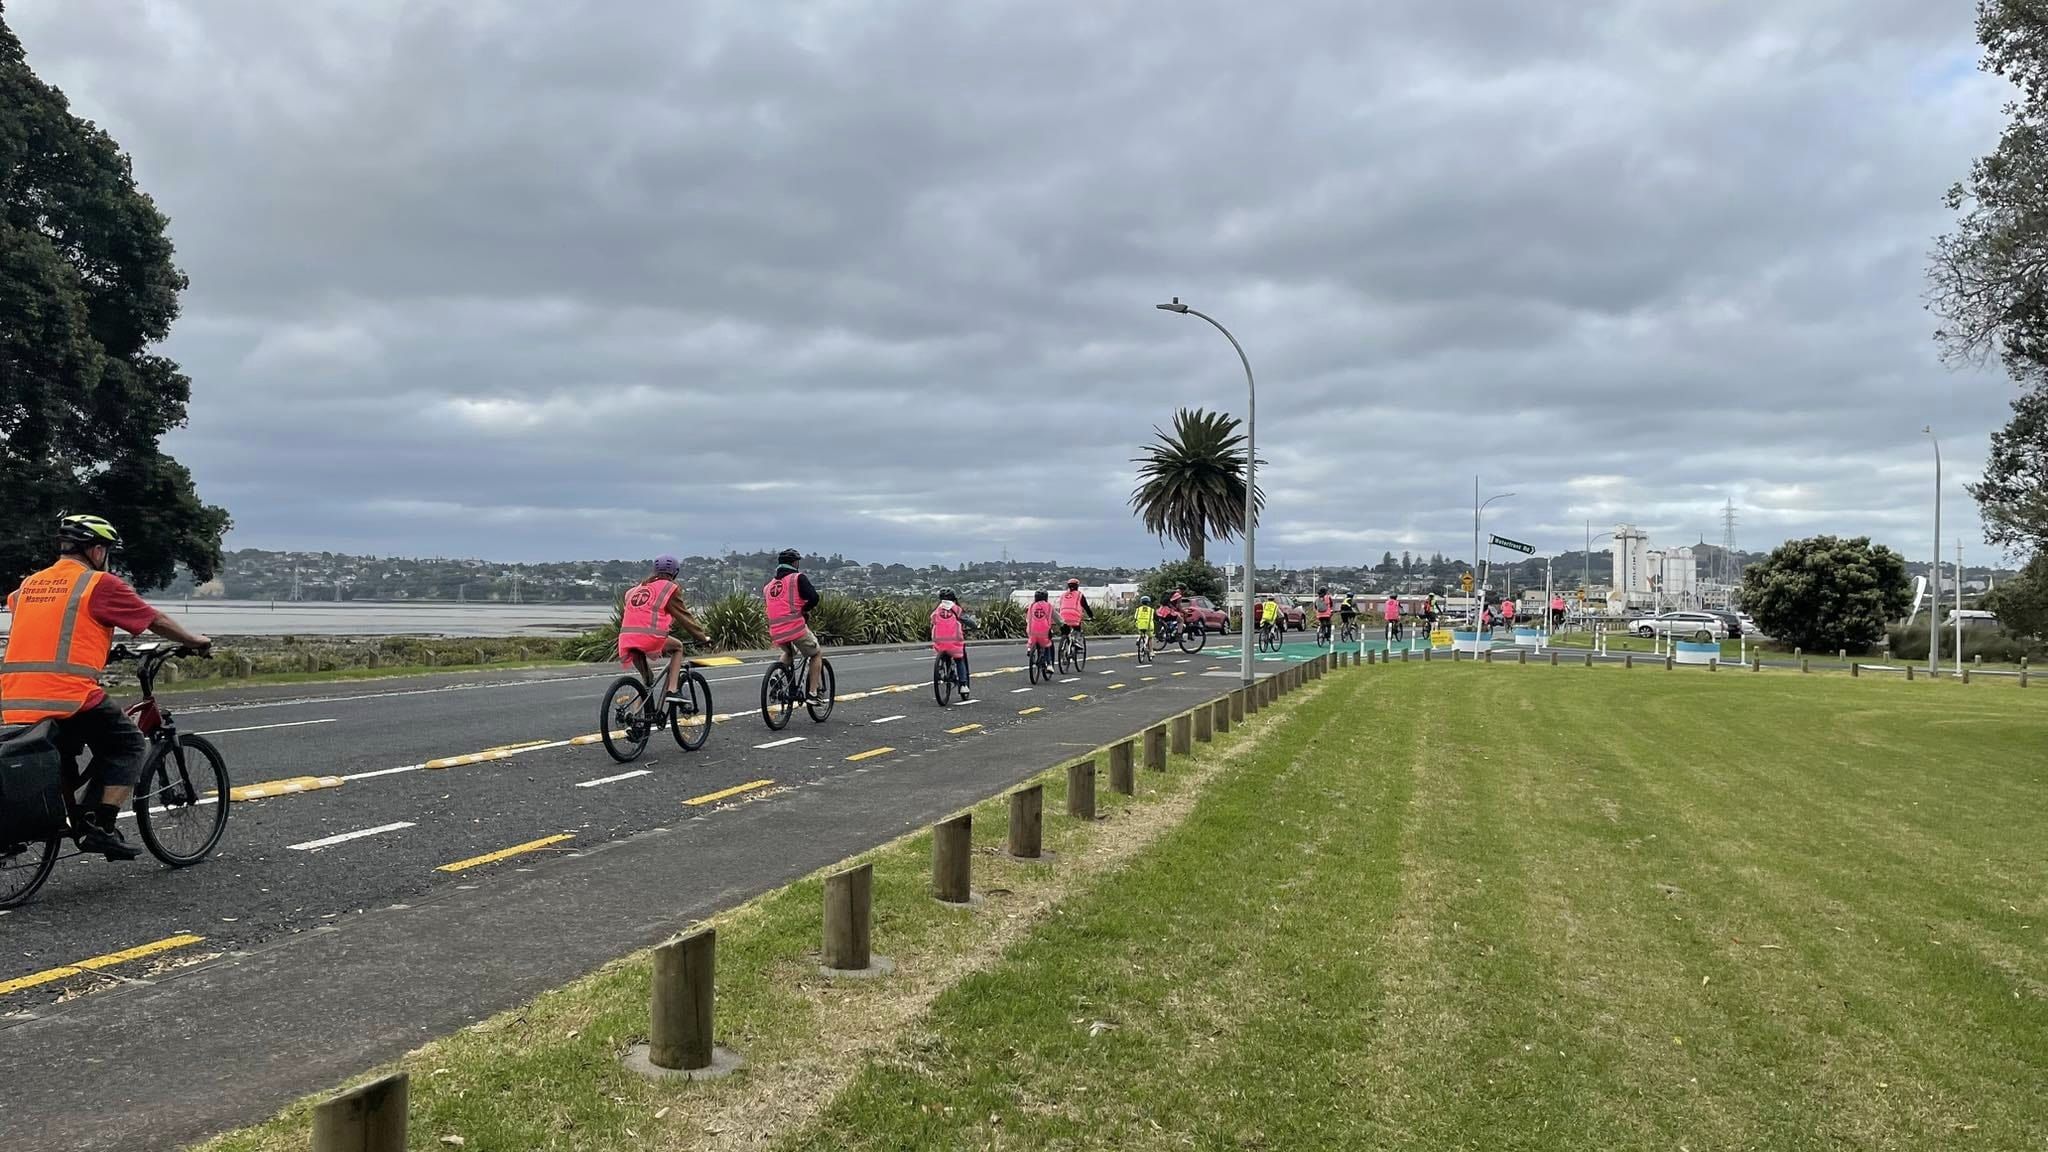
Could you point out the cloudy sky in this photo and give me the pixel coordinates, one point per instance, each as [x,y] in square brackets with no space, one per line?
[537,279]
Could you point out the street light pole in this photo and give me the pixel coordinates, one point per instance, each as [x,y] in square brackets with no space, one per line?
[1251,463]
[1934,593]
[1478,507]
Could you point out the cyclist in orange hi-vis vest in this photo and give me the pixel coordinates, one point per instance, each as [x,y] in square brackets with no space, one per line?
[64,622]
[1074,608]
[789,597]
[647,623]
[1038,620]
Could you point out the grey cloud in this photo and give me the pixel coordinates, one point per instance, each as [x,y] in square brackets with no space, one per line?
[534,280]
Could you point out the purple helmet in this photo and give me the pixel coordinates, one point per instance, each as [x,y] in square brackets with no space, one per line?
[667,566]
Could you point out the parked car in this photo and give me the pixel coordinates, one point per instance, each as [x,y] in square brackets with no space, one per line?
[1684,625]
[1732,622]
[1293,615]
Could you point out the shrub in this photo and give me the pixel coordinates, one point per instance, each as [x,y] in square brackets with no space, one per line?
[1110,624]
[1200,579]
[1992,644]
[886,621]
[736,621]
[836,620]
[999,620]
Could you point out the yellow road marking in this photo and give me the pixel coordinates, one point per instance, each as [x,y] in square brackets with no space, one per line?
[1113,687]
[722,793]
[1147,679]
[505,853]
[962,728]
[871,753]
[499,749]
[1029,711]
[98,962]
[287,787]
[714,661]
[1078,696]
[1180,673]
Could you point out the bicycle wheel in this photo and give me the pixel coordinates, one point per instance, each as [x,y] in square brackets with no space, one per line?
[689,714]
[1192,639]
[1080,652]
[622,719]
[778,693]
[1031,663]
[942,680]
[181,805]
[828,688]
[23,868]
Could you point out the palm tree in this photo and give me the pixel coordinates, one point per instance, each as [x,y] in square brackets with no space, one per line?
[1191,483]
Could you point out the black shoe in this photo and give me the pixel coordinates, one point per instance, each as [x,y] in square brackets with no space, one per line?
[107,842]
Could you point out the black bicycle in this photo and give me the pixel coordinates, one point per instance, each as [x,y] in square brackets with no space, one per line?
[1190,636]
[1347,633]
[949,672]
[631,714]
[782,689]
[1073,652]
[1269,637]
[181,801]
[1038,662]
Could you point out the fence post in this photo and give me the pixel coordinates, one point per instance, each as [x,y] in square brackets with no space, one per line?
[1805,664]
[1155,748]
[1628,660]
[1081,790]
[1182,742]
[1027,822]
[953,860]
[1204,731]
[1589,657]
[849,903]
[1122,780]
[1237,706]
[679,1030]
[367,1118]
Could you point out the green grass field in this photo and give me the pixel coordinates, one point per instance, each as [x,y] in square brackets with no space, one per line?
[1471,907]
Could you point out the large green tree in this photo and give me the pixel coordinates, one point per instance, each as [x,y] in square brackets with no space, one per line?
[1827,592]
[87,288]
[1191,481]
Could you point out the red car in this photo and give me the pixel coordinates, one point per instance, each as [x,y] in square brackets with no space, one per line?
[1213,619]
[1293,616]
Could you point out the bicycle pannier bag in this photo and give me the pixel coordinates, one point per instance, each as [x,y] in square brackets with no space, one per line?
[31,785]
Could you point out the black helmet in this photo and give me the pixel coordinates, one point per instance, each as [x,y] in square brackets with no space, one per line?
[87,529]
[947,594]
[1040,596]
[1144,599]
[788,556]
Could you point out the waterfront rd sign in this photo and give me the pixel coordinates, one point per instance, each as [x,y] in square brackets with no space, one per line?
[1514,545]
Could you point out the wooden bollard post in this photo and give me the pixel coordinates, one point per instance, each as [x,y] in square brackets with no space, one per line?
[1909,673]
[1404,655]
[1713,663]
[1522,657]
[1553,657]
[1204,724]
[849,905]
[2023,674]
[1966,673]
[1628,660]
[1855,671]
[1427,653]
[1122,780]
[1841,653]
[1798,652]
[1756,663]
[367,1118]
[1223,715]
[1589,657]
[680,1020]
[1805,665]
[1488,656]
[953,860]
[1181,742]
[1155,748]
[1237,706]
[1081,790]
[376,659]
[1670,662]
[1027,822]
[1251,697]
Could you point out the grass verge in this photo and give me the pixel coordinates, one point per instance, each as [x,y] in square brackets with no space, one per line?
[548,1075]
[1486,907]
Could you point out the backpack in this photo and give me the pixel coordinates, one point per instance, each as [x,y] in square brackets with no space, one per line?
[31,785]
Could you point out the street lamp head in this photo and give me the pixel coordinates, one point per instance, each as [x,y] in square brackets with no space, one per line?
[1176,306]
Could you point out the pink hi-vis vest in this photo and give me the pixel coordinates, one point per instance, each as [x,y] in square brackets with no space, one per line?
[946,631]
[1038,620]
[646,609]
[785,609]
[1393,609]
[1557,603]
[1070,606]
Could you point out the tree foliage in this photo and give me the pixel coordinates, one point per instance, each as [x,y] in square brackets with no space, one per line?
[1197,576]
[1191,481]
[2022,604]
[2013,492]
[1827,592]
[87,287]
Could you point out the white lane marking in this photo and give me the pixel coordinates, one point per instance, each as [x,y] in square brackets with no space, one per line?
[1014,691]
[1183,661]
[1070,680]
[969,700]
[330,841]
[386,771]
[781,742]
[615,779]
[885,720]
[266,727]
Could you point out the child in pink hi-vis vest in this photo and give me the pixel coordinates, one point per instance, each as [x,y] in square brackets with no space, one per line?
[949,636]
[1038,621]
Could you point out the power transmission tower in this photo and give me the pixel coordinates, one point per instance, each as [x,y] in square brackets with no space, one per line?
[1728,564]
[295,580]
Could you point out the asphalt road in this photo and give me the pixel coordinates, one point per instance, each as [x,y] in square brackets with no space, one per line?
[330,937]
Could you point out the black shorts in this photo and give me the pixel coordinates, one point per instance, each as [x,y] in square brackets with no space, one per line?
[118,746]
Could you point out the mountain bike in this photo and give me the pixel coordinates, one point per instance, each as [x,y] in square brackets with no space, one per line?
[1144,647]
[782,689]
[1073,651]
[1189,636]
[948,672]
[1269,637]
[1038,661]
[1347,633]
[630,714]
[181,800]
[1323,632]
